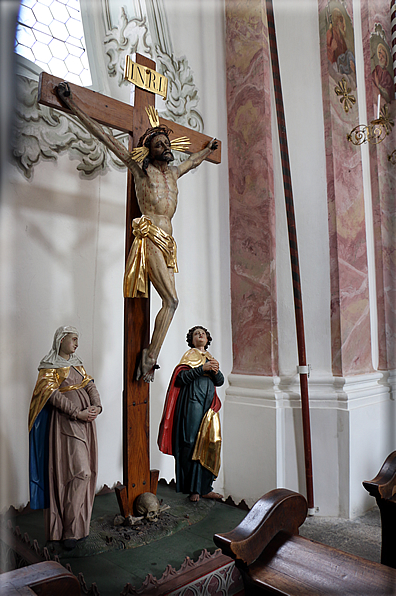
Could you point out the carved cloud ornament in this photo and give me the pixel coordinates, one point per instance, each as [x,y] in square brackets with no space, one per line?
[128,37]
[43,133]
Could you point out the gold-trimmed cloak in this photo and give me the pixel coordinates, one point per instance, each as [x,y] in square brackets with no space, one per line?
[50,379]
[195,358]
[207,447]
[208,444]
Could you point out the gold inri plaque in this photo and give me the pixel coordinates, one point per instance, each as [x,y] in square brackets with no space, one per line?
[145,78]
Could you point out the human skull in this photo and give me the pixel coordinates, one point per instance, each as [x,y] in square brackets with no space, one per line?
[148,506]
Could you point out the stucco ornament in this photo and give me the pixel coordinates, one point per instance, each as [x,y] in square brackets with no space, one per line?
[43,133]
[132,36]
[128,37]
[183,98]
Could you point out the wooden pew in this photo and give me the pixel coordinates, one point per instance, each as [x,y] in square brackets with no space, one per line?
[274,559]
[47,579]
[383,488]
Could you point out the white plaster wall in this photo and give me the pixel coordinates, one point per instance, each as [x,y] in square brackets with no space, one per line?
[297,32]
[62,263]
[62,260]
[250,431]
[372,430]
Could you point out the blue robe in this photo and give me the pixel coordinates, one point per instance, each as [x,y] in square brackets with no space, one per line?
[38,460]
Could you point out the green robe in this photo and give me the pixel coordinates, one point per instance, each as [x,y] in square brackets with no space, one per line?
[196,395]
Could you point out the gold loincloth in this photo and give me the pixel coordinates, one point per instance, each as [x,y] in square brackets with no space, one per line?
[136,276]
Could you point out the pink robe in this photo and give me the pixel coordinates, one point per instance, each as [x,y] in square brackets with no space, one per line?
[73,461]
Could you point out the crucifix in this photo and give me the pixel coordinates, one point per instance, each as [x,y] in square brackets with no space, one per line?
[137,476]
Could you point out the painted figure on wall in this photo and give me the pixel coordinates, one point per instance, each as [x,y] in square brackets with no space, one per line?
[153,254]
[190,425]
[62,441]
[381,67]
[340,42]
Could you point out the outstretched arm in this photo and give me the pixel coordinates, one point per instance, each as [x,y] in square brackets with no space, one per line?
[196,158]
[65,95]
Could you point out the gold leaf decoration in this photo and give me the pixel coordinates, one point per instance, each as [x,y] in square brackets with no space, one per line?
[347,99]
[139,153]
[180,144]
[153,116]
[386,120]
[375,132]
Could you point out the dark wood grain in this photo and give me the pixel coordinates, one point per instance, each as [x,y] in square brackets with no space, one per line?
[107,111]
[47,578]
[294,566]
[280,509]
[136,399]
[383,488]
[300,567]
[384,484]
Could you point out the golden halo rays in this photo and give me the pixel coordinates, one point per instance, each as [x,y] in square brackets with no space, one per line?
[180,144]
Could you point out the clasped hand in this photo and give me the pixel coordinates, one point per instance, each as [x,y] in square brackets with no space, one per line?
[89,414]
[211,366]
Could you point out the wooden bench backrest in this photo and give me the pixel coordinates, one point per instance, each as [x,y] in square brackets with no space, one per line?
[280,509]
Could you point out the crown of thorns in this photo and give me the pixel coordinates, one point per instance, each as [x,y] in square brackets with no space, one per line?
[150,133]
[142,149]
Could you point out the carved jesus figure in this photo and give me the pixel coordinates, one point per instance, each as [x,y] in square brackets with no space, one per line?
[153,252]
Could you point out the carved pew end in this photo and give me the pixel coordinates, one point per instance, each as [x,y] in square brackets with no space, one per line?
[47,578]
[274,559]
[279,510]
[383,488]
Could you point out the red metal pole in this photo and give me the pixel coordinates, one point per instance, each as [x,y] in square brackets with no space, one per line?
[295,268]
[393,31]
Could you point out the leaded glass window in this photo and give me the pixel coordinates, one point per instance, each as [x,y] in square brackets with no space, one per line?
[50,34]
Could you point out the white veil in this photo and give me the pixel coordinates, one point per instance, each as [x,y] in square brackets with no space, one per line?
[52,359]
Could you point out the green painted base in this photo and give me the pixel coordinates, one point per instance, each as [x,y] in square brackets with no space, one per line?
[105,537]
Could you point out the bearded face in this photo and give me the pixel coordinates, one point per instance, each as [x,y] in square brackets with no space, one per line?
[160,149]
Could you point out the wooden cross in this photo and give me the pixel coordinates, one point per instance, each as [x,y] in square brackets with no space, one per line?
[137,476]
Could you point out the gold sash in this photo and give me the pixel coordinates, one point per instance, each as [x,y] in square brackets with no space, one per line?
[136,278]
[208,444]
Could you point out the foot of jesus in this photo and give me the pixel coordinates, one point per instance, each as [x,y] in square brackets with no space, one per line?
[146,367]
[194,498]
[213,495]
